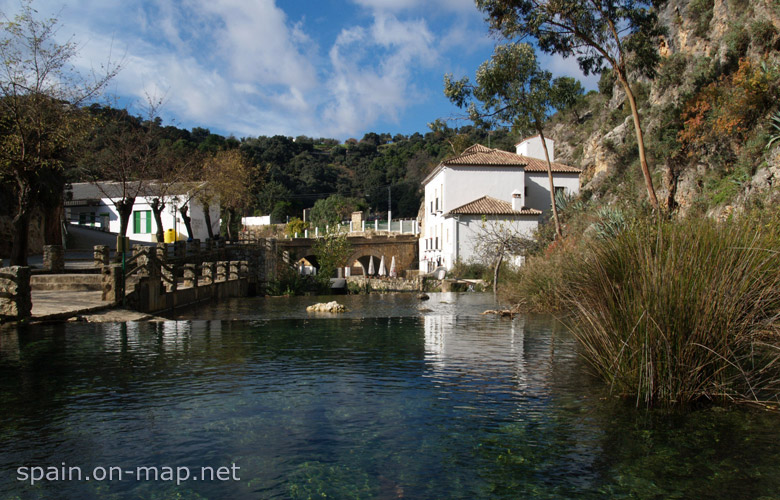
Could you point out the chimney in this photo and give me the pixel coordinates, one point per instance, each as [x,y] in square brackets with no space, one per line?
[517,200]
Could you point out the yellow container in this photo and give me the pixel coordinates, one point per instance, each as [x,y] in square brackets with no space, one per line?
[170,236]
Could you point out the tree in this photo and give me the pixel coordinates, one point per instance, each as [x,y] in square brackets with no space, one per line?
[126,151]
[569,95]
[498,240]
[229,175]
[333,209]
[174,171]
[620,33]
[513,89]
[40,97]
[332,251]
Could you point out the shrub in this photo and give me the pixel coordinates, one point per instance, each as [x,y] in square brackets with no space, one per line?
[678,312]
[606,82]
[700,12]
[764,34]
[671,72]
[296,226]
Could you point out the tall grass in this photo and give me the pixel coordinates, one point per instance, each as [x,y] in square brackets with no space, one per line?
[681,311]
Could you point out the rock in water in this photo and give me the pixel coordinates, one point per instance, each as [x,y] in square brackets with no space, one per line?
[331,307]
[423,296]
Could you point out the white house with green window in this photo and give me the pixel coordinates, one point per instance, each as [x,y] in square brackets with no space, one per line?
[92,204]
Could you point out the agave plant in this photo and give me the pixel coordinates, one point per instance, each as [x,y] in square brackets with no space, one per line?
[775,121]
[611,222]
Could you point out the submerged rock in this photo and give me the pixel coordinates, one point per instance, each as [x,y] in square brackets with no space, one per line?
[331,307]
[504,313]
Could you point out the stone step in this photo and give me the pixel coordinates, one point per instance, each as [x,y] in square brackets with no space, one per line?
[65,282]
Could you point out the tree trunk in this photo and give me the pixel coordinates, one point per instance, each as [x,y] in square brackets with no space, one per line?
[187,220]
[207,219]
[552,185]
[639,139]
[495,272]
[157,208]
[228,231]
[21,225]
[125,209]
[21,233]
[52,224]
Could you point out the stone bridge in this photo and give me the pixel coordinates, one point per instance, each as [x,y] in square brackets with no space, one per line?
[401,246]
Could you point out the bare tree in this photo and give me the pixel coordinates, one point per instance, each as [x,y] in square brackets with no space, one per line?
[40,119]
[498,240]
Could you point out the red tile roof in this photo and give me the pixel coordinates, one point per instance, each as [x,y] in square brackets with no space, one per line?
[482,156]
[491,206]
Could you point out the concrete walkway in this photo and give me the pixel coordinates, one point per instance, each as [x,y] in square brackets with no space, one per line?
[59,305]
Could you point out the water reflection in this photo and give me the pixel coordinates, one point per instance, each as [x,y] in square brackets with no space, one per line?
[443,403]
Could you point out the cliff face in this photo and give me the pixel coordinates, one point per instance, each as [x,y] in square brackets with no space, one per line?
[716,55]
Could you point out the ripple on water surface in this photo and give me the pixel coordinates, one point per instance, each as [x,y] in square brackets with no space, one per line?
[443,403]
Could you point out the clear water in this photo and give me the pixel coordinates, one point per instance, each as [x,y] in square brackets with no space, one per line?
[385,401]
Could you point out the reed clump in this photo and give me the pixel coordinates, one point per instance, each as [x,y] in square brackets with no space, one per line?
[676,312]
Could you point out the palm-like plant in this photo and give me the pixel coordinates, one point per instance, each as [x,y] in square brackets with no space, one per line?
[775,120]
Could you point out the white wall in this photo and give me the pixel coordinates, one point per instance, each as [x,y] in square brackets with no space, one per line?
[538,185]
[533,147]
[465,184]
[196,213]
[264,220]
[471,227]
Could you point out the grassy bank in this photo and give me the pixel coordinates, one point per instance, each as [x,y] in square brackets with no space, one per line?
[670,312]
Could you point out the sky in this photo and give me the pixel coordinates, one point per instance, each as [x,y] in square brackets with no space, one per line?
[246,68]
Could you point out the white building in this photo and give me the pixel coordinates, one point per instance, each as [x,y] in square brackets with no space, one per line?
[89,204]
[486,187]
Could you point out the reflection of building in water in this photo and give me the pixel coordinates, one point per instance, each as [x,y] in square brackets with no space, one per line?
[482,349]
[162,336]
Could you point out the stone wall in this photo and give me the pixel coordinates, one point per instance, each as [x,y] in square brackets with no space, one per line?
[15,299]
[384,284]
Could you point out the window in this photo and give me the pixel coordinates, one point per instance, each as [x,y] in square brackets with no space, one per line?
[559,190]
[142,222]
[87,218]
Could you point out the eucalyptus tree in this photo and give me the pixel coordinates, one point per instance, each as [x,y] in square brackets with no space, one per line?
[40,119]
[620,34]
[511,88]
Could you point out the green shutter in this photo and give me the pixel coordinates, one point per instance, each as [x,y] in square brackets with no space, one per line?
[136,222]
[148,222]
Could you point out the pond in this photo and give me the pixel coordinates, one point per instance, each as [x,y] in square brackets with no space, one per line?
[397,398]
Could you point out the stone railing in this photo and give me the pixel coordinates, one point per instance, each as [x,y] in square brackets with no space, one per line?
[15,298]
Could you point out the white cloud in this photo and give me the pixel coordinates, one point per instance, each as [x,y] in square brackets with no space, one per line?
[567,66]
[373,70]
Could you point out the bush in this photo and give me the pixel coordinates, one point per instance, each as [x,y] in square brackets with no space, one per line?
[700,12]
[764,35]
[296,226]
[671,72]
[606,82]
[679,312]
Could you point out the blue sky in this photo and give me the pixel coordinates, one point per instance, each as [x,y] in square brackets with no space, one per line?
[290,67]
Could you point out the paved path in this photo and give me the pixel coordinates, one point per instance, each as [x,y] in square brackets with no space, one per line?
[48,305]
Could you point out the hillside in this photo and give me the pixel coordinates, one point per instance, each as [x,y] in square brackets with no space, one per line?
[706,112]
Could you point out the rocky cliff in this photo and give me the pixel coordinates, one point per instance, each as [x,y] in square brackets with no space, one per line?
[706,112]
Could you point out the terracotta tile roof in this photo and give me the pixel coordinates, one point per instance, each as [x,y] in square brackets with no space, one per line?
[531,137]
[480,155]
[491,206]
